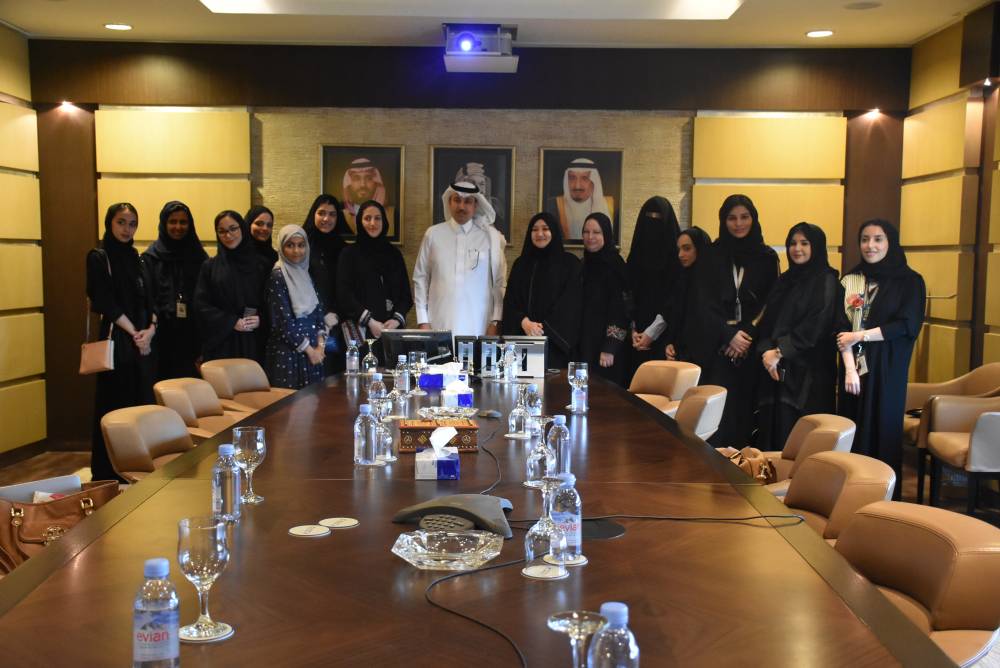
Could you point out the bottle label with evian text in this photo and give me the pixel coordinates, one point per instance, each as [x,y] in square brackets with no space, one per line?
[154,635]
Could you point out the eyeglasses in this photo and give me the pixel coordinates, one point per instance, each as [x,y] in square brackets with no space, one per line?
[229,231]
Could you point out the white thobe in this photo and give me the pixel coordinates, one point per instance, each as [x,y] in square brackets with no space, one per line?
[459,277]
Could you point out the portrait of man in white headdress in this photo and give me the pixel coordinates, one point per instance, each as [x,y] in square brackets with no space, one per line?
[489,168]
[356,174]
[577,183]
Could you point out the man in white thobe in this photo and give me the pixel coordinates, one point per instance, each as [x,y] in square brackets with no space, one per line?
[461,272]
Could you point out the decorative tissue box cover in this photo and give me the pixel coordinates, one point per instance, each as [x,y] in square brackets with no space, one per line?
[416,434]
[429,467]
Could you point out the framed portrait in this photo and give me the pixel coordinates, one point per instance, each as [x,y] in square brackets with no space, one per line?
[575,182]
[489,167]
[356,174]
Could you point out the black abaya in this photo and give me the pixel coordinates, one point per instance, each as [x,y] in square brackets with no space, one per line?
[325,249]
[604,322]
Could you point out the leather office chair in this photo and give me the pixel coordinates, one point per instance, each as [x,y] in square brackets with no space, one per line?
[198,405]
[663,383]
[811,434]
[243,382]
[700,409]
[983,381]
[941,569]
[141,439]
[831,486]
[966,437]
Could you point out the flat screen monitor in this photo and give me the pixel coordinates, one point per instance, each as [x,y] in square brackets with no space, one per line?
[435,342]
[532,353]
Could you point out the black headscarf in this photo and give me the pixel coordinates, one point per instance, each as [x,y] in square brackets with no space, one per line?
[894,262]
[265,249]
[739,251]
[243,256]
[654,242]
[817,265]
[376,250]
[608,256]
[124,260]
[188,249]
[325,245]
[554,247]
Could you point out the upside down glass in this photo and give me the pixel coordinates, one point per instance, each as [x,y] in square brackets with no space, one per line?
[250,452]
[545,537]
[579,625]
[369,364]
[418,362]
[203,552]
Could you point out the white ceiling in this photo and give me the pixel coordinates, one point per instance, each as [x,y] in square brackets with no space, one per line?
[757,23]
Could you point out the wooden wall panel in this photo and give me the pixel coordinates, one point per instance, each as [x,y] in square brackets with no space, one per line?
[991,348]
[934,70]
[206,197]
[995,208]
[941,353]
[993,290]
[779,206]
[18,138]
[751,147]
[22,414]
[15,79]
[946,273]
[934,139]
[941,212]
[21,218]
[146,141]
[22,346]
[20,276]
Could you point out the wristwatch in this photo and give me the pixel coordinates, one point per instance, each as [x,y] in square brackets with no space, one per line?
[864,337]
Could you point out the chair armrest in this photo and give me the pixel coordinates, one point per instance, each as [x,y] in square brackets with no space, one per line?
[959,414]
[917,394]
[236,407]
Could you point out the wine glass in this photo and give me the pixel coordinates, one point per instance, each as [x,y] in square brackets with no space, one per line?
[369,364]
[518,420]
[250,451]
[510,366]
[546,538]
[203,552]
[541,462]
[418,362]
[579,625]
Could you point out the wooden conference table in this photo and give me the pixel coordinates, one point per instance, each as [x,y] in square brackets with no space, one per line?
[699,593]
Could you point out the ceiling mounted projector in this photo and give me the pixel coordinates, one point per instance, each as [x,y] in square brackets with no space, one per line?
[479,47]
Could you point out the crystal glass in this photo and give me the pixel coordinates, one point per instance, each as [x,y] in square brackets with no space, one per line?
[250,451]
[397,404]
[579,625]
[418,362]
[518,422]
[387,446]
[541,462]
[545,537]
[203,552]
[448,550]
[510,363]
[369,364]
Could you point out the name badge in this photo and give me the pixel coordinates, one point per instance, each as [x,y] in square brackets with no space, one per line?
[181,310]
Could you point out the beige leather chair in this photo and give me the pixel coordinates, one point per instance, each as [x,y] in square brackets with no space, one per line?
[662,383]
[941,569]
[243,382]
[197,404]
[983,381]
[141,439]
[811,434]
[700,409]
[830,486]
[969,440]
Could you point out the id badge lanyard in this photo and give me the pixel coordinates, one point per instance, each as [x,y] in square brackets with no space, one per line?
[738,281]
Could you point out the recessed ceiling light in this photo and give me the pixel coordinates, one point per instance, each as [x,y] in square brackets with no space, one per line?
[819,33]
[862,5]
[117,26]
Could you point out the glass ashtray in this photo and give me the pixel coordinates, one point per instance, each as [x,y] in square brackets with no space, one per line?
[446,412]
[447,550]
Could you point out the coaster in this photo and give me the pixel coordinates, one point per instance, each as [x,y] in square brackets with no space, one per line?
[518,436]
[222,631]
[339,522]
[579,560]
[544,572]
[309,531]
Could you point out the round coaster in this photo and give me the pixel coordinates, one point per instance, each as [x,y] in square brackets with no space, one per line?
[518,436]
[579,560]
[309,531]
[339,522]
[544,572]
[189,634]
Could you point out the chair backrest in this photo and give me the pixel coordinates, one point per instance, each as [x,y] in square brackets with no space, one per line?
[192,398]
[230,377]
[947,562]
[701,409]
[831,486]
[136,436]
[665,378]
[983,380]
[820,432]
[984,445]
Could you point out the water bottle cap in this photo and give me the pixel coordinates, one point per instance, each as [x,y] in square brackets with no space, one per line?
[559,419]
[226,450]
[567,478]
[352,342]
[156,568]
[401,358]
[615,612]
[365,409]
[376,376]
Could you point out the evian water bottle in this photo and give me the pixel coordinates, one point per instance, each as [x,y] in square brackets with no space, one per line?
[155,643]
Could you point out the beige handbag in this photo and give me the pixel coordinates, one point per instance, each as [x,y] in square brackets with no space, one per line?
[100,355]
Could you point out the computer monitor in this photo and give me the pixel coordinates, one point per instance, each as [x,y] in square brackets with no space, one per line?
[435,342]
[532,352]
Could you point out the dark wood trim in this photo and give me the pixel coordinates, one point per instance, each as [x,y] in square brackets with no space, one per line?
[980,45]
[984,204]
[547,78]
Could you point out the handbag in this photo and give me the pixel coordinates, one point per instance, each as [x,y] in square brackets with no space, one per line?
[26,528]
[753,462]
[100,355]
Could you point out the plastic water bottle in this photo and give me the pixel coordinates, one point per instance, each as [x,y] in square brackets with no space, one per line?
[366,438]
[558,440]
[613,646]
[567,513]
[376,393]
[533,404]
[155,643]
[353,358]
[402,382]
[226,485]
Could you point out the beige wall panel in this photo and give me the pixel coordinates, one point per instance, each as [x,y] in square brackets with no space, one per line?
[143,141]
[934,70]
[941,353]
[206,197]
[15,78]
[946,273]
[21,218]
[746,147]
[22,414]
[22,346]
[21,277]
[993,290]
[991,348]
[18,138]
[934,139]
[779,206]
[940,212]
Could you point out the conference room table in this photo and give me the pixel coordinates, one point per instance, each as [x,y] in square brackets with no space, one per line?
[716,591]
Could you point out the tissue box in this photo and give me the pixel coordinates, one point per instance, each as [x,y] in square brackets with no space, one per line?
[430,467]
[416,434]
[431,381]
[451,399]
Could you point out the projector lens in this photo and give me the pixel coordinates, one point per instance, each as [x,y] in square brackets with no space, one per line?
[466,42]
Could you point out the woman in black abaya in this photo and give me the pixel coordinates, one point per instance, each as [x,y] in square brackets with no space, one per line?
[261,222]
[604,322]
[543,291]
[796,344]
[325,226]
[883,310]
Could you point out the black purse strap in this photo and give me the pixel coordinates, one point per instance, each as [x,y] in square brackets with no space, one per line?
[86,315]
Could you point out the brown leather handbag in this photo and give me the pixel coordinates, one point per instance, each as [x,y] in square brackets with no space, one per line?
[26,528]
[753,462]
